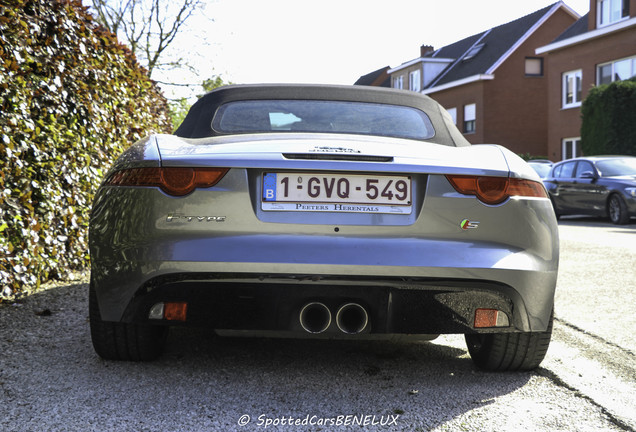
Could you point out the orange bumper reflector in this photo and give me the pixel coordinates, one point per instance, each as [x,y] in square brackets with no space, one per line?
[175,311]
[485,318]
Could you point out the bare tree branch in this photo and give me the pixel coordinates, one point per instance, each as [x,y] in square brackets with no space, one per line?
[111,14]
[149,27]
[132,32]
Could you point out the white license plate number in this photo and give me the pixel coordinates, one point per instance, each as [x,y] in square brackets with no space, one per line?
[319,192]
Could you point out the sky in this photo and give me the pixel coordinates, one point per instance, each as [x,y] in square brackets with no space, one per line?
[329,41]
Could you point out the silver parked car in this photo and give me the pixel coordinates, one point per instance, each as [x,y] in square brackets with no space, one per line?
[323,211]
[542,167]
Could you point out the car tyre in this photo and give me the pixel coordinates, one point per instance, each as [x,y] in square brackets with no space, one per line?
[124,341]
[617,210]
[509,351]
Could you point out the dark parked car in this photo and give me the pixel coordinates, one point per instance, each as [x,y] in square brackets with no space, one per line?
[597,186]
[323,211]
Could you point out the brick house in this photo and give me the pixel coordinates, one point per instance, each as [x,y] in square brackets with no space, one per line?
[493,83]
[598,49]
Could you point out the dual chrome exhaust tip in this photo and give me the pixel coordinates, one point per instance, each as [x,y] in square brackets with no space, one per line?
[351,318]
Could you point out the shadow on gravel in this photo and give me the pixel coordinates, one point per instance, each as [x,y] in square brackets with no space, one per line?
[51,379]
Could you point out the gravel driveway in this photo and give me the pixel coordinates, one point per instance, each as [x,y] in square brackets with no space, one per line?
[51,380]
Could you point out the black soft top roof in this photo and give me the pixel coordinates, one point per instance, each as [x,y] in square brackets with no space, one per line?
[198,122]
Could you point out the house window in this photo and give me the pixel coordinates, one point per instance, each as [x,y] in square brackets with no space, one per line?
[398,82]
[572,89]
[453,114]
[616,71]
[469,118]
[571,148]
[611,11]
[414,81]
[534,66]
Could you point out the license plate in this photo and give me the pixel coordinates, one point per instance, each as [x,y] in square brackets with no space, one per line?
[346,193]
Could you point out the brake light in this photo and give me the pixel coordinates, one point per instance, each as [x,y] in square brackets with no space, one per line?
[176,181]
[495,190]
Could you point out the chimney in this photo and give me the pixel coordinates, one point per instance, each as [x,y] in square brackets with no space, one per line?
[425,49]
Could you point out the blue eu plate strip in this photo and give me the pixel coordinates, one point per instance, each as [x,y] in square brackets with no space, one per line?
[269,187]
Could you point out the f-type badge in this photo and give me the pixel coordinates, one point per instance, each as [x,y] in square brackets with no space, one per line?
[467,224]
[183,218]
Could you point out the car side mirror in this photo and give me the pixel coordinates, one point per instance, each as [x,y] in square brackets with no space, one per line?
[588,175]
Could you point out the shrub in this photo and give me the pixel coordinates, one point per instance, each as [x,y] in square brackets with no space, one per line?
[609,119]
[72,99]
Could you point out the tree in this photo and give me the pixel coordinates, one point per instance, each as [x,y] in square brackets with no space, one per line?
[148,27]
[212,83]
[179,107]
[609,119]
[178,110]
[72,98]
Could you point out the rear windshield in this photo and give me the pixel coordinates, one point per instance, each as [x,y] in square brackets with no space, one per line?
[322,116]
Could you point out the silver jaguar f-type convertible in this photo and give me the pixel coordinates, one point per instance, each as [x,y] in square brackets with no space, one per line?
[323,211]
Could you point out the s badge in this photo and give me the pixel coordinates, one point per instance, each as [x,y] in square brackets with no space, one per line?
[467,224]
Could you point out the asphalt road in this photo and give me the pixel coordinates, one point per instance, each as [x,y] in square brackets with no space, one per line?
[51,380]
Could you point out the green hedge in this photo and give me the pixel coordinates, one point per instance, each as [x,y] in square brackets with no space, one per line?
[71,100]
[609,119]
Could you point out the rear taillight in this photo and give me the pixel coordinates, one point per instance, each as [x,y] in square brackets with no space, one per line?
[495,190]
[176,181]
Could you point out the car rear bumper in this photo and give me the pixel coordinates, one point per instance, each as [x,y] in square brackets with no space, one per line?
[308,267]
[258,302]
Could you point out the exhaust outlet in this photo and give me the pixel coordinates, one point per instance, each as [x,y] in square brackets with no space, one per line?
[352,318]
[315,317]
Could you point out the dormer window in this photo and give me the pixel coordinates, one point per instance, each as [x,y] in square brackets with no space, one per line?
[473,51]
[611,11]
